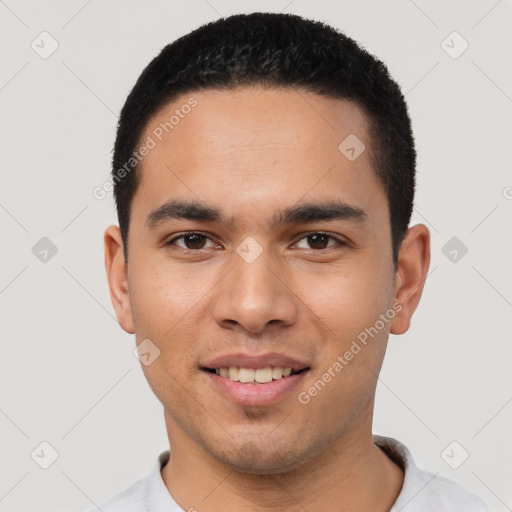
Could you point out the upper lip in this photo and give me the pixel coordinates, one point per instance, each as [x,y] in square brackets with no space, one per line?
[264,360]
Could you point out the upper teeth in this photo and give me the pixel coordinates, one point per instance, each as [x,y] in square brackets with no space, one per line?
[260,375]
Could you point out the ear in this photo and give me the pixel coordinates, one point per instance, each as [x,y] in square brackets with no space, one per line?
[117,277]
[410,275]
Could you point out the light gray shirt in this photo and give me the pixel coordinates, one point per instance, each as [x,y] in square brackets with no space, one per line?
[421,491]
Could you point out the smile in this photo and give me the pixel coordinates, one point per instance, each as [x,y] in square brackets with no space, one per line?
[253,375]
[249,392]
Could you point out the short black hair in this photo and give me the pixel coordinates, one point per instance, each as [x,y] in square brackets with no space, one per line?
[274,50]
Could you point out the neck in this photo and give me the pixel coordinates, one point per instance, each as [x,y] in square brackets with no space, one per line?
[351,472]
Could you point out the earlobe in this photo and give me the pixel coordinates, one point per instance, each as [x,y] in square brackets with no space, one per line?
[410,275]
[116,268]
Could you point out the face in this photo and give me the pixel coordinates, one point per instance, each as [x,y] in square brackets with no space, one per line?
[256,243]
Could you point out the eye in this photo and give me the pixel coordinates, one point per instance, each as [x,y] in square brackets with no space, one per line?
[320,241]
[191,241]
[196,241]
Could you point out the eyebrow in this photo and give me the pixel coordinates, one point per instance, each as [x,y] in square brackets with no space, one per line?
[301,214]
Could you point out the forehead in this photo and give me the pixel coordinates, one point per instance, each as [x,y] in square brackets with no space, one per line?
[257,119]
[254,148]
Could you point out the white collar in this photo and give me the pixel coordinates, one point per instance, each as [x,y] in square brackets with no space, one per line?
[421,491]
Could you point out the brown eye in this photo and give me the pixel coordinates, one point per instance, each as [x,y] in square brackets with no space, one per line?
[319,241]
[191,241]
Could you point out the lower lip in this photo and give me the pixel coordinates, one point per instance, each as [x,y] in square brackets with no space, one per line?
[256,394]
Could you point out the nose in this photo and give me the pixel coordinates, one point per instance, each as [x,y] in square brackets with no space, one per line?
[254,295]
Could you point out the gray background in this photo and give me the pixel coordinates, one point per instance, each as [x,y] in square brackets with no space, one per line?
[68,374]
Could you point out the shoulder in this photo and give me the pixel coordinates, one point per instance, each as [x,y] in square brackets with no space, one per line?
[132,499]
[148,493]
[439,493]
[423,491]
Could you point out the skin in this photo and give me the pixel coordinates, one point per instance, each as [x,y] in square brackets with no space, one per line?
[252,152]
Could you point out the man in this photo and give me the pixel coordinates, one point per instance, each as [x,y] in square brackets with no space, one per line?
[264,174]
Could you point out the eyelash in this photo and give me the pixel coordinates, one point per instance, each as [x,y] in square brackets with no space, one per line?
[339,242]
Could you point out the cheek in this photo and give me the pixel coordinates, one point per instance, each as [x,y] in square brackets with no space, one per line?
[162,296]
[347,308]
[163,307]
[347,299]
[164,303]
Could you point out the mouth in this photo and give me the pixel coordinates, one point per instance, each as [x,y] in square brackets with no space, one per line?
[255,375]
[255,380]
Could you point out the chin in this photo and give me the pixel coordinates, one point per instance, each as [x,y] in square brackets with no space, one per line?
[262,458]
